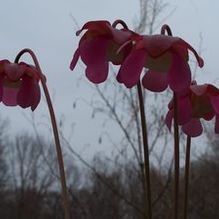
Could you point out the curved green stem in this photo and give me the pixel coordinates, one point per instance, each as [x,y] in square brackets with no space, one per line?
[55,130]
[146,153]
[176,158]
[186,185]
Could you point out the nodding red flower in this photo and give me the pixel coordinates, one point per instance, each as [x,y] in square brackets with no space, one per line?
[199,102]
[19,84]
[166,61]
[98,46]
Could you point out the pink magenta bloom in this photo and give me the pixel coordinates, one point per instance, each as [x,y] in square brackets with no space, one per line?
[199,102]
[98,46]
[19,85]
[166,61]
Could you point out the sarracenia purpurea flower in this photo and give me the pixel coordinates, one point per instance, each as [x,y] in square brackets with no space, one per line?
[99,45]
[19,84]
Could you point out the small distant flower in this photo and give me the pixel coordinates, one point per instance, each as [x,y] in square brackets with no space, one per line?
[19,84]
[98,46]
[199,102]
[166,61]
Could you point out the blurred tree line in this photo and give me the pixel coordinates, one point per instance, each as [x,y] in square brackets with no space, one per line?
[108,187]
[29,187]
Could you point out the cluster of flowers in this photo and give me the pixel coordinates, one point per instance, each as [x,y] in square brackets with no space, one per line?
[165,63]
[163,58]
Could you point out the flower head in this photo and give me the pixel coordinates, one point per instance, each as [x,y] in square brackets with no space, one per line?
[166,61]
[98,46]
[199,102]
[19,84]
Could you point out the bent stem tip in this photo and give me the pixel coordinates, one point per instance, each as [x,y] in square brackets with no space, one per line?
[55,130]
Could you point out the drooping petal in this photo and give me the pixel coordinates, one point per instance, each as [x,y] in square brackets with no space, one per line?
[212,90]
[184,110]
[75,59]
[2,65]
[29,93]
[1,86]
[199,89]
[155,81]
[193,128]
[100,25]
[179,75]
[9,97]
[188,46]
[215,103]
[156,45]
[93,54]
[216,124]
[209,116]
[169,119]
[37,96]
[130,70]
[25,93]
[123,35]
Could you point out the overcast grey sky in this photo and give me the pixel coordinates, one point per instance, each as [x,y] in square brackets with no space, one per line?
[46,26]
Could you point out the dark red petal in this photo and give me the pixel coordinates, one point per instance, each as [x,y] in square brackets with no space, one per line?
[193,128]
[199,89]
[121,36]
[1,86]
[93,54]
[100,25]
[97,74]
[2,65]
[29,93]
[215,103]
[36,96]
[14,71]
[130,70]
[155,81]
[209,116]
[179,76]
[188,46]
[9,97]
[31,71]
[25,93]
[184,110]
[156,45]
[212,90]
[74,59]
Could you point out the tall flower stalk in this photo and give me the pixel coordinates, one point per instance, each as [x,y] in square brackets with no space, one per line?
[166,61]
[146,173]
[146,152]
[146,168]
[176,142]
[176,159]
[196,103]
[186,177]
[55,130]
